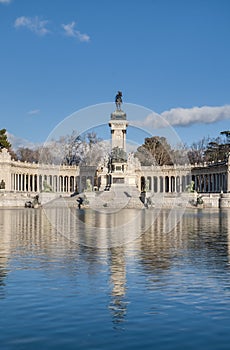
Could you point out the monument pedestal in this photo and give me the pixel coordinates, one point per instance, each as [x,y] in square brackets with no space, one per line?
[224,200]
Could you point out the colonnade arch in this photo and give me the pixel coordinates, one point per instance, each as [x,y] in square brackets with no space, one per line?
[210,182]
[24,182]
[165,183]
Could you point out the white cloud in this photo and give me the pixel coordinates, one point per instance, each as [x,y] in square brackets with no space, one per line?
[34,24]
[186,116]
[71,32]
[18,142]
[5,1]
[34,112]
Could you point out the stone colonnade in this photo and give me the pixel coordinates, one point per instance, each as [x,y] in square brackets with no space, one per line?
[31,177]
[211,183]
[25,182]
[211,178]
[165,179]
[19,176]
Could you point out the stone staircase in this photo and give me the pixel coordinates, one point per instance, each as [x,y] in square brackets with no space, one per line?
[61,202]
[119,196]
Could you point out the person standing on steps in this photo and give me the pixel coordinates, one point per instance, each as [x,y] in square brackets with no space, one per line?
[80,201]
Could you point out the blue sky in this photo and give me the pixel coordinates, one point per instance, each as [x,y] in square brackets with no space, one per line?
[170,56]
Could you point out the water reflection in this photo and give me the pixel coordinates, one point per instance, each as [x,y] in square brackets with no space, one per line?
[200,242]
[118,305]
[100,229]
[28,239]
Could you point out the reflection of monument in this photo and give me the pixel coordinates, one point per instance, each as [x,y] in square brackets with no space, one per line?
[118,280]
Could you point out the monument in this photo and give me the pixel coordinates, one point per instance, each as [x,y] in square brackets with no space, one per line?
[118,171]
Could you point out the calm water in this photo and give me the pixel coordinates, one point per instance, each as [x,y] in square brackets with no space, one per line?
[160,291]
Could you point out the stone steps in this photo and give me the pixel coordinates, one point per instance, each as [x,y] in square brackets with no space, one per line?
[61,202]
[119,196]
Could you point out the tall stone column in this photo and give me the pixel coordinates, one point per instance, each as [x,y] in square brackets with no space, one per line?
[163,184]
[170,187]
[205,183]
[195,185]
[228,174]
[118,125]
[209,182]
[33,183]
[217,182]
[18,182]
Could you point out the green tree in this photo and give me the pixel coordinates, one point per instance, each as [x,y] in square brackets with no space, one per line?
[155,150]
[227,135]
[4,143]
[218,149]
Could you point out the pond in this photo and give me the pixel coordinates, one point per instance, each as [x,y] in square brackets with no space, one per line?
[66,282]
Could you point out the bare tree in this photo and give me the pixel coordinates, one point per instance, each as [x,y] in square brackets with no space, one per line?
[75,149]
[25,154]
[196,153]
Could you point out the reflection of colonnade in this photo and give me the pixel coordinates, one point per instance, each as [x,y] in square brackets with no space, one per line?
[155,251]
[208,232]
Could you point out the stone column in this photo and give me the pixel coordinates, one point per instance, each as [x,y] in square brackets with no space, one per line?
[58,184]
[170,187]
[174,183]
[202,182]
[158,184]
[214,183]
[150,183]
[55,183]
[178,184]
[221,182]
[18,182]
[228,179]
[163,177]
[195,183]
[218,182]
[12,182]
[33,185]
[61,183]
[30,183]
[67,183]
[209,182]
[74,183]
[205,183]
